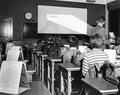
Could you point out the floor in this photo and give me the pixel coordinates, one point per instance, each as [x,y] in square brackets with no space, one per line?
[77,85]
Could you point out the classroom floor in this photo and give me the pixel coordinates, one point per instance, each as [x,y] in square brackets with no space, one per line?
[76,84]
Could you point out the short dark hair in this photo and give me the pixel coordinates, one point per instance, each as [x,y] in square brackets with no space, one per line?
[101,19]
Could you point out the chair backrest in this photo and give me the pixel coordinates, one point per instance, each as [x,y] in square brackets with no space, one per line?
[95,71]
[8,47]
[91,72]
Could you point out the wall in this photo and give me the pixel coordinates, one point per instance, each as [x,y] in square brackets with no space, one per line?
[114,20]
[17,10]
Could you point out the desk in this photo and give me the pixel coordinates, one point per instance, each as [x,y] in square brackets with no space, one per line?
[36,61]
[33,57]
[50,73]
[100,86]
[42,58]
[38,64]
[69,68]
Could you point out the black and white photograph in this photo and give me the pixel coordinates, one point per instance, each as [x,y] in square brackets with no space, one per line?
[59,47]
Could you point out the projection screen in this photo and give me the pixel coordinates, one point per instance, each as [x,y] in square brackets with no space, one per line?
[61,20]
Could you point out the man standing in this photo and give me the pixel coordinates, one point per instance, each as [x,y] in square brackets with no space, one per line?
[100,30]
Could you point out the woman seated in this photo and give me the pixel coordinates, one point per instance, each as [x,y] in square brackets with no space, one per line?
[96,56]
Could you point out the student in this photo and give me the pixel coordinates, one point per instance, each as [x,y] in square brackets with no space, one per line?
[40,44]
[96,56]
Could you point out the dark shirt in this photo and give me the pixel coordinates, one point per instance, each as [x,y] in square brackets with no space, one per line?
[101,31]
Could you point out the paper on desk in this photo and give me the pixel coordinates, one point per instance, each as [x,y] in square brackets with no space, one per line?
[10,77]
[111,54]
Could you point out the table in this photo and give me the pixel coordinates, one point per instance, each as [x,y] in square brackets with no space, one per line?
[36,61]
[38,64]
[30,74]
[50,73]
[33,57]
[42,58]
[99,86]
[69,68]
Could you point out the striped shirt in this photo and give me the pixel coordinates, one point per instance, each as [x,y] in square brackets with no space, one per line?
[95,56]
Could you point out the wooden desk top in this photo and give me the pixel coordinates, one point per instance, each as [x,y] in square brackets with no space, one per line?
[53,60]
[39,53]
[43,55]
[56,60]
[101,85]
[70,67]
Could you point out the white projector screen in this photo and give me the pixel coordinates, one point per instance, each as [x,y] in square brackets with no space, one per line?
[62,20]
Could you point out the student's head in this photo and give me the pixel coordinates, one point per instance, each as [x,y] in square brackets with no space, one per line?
[73,40]
[101,20]
[96,41]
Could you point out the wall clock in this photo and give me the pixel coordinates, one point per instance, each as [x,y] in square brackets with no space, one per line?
[28,15]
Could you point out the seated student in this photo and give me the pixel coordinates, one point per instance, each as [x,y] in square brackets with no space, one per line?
[96,56]
[40,44]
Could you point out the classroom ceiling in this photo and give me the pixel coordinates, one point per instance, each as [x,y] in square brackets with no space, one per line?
[112,4]
[98,1]
[90,1]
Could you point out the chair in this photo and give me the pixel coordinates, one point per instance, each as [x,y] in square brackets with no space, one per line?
[95,71]
[9,45]
[91,72]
